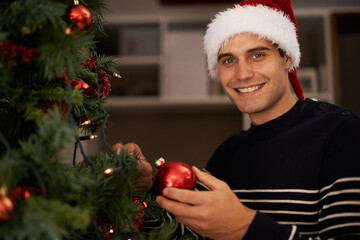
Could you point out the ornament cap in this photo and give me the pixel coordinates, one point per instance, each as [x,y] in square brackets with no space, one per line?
[3,191]
[159,162]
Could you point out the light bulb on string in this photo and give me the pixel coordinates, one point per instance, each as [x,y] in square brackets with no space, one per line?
[94,119]
[67,31]
[90,137]
[87,122]
[110,171]
[110,72]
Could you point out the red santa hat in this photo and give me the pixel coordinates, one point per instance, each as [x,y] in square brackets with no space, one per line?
[273,20]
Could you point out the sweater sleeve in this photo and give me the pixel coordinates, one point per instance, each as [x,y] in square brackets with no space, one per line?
[263,227]
[339,194]
[339,216]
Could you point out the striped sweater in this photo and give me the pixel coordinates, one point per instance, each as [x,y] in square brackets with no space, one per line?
[301,172]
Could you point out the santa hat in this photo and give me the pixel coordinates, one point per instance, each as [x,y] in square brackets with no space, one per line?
[273,20]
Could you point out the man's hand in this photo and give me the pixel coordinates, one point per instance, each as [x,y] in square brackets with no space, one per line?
[217,214]
[143,180]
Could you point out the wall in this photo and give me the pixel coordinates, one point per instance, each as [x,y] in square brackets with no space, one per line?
[181,132]
[347,50]
[184,133]
[155,7]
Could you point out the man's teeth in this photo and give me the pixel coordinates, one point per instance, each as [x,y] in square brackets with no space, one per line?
[250,89]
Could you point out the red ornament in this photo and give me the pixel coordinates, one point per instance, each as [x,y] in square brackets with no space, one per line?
[173,174]
[80,17]
[6,208]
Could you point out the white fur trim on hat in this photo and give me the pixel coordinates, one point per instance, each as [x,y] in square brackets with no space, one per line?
[260,20]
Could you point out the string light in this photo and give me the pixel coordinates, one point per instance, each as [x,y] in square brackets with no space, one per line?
[94,119]
[110,72]
[87,122]
[109,171]
[90,137]
[68,31]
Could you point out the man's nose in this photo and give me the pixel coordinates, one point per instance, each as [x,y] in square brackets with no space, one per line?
[244,70]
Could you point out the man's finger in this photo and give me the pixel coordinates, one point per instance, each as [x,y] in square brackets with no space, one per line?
[134,150]
[117,148]
[210,181]
[184,195]
[145,168]
[179,209]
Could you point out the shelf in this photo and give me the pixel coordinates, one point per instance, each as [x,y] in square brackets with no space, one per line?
[137,60]
[113,102]
[142,39]
[320,96]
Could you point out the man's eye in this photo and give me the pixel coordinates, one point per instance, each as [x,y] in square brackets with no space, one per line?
[228,61]
[258,55]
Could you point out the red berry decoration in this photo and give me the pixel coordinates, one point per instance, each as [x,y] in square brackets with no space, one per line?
[80,17]
[173,174]
[6,208]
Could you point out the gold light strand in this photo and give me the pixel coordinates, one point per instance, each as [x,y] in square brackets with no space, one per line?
[109,171]
[68,31]
[110,72]
[90,137]
[115,74]
[87,122]
[94,119]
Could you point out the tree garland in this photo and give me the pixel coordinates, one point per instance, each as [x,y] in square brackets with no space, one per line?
[93,66]
[11,53]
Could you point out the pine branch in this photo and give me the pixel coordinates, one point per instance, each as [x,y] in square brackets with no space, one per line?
[74,202]
[64,50]
[33,15]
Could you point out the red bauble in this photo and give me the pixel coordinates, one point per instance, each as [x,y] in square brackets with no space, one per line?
[6,208]
[174,174]
[80,17]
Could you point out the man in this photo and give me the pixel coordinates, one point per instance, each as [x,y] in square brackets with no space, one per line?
[296,171]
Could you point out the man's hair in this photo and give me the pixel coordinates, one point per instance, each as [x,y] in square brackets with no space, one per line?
[282,54]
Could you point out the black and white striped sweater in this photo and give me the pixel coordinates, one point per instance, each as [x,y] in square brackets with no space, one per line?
[301,172]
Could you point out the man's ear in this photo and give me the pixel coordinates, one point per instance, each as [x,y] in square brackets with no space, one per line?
[288,61]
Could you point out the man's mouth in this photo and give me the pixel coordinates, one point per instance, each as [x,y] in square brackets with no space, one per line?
[250,89]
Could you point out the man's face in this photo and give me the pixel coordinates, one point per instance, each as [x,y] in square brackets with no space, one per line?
[255,76]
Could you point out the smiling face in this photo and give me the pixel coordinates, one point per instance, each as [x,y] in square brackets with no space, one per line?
[255,77]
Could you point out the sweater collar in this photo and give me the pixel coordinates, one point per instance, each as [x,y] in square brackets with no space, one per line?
[278,124]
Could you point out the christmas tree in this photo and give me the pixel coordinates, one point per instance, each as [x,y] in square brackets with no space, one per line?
[52,89]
